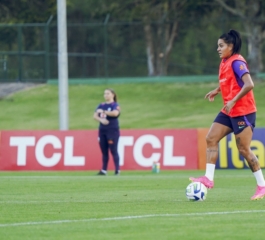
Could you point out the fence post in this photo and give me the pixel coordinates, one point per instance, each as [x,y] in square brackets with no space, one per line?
[5,67]
[97,64]
[83,66]
[163,42]
[47,48]
[20,70]
[106,47]
[3,59]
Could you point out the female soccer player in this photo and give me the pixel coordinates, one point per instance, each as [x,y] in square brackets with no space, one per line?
[107,114]
[238,114]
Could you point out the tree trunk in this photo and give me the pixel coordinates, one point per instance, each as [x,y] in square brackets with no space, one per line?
[159,50]
[150,49]
[160,38]
[254,57]
[171,33]
[159,45]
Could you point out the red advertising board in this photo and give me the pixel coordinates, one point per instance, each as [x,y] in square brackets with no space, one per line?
[79,150]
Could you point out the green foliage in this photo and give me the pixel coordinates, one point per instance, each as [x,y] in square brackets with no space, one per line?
[160,13]
[32,38]
[80,205]
[27,11]
[120,48]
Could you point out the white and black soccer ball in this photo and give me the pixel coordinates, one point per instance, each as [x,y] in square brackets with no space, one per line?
[196,191]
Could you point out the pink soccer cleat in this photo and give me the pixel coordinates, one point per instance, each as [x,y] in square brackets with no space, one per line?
[259,194]
[204,180]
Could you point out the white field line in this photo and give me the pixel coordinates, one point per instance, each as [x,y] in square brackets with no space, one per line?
[128,218]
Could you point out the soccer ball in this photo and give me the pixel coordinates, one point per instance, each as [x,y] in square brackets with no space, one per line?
[196,191]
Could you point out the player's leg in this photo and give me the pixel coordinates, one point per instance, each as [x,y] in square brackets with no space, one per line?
[113,139]
[215,134]
[243,140]
[243,133]
[220,128]
[103,143]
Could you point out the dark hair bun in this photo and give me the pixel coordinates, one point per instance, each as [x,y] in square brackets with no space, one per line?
[234,33]
[233,37]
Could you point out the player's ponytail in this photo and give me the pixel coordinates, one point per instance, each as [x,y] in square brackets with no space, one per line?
[233,37]
[115,98]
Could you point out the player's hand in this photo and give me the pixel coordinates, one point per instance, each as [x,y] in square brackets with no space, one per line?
[99,110]
[104,121]
[211,95]
[228,106]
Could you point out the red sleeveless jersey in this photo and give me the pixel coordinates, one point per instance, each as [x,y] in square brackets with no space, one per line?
[230,88]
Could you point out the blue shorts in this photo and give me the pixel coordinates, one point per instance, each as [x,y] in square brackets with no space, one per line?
[237,124]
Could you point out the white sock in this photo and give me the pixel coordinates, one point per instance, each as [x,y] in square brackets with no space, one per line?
[259,178]
[210,171]
[104,171]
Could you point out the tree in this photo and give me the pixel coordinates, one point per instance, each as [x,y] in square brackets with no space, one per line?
[160,36]
[253,20]
[161,22]
[161,19]
[26,11]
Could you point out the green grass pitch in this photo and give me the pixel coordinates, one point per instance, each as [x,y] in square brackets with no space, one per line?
[134,205]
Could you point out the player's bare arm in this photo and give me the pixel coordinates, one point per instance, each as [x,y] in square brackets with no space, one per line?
[210,95]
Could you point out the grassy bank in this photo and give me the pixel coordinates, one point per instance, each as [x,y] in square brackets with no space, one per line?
[144,105]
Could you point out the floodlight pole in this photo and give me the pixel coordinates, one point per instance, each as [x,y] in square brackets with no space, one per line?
[62,64]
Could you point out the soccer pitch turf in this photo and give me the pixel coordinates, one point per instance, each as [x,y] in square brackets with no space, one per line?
[134,205]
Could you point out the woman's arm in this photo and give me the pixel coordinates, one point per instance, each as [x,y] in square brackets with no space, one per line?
[114,113]
[104,121]
[212,94]
[248,85]
[96,117]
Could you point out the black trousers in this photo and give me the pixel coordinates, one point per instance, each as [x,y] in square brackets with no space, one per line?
[108,141]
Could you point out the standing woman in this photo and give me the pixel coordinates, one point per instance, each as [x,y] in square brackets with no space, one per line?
[107,114]
[238,114]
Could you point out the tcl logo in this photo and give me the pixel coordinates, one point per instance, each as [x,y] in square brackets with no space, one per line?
[138,144]
[79,150]
[23,143]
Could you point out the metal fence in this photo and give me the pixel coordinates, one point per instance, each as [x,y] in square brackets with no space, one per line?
[24,52]
[28,52]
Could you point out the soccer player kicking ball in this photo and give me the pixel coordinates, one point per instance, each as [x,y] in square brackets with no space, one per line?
[107,114]
[238,114]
